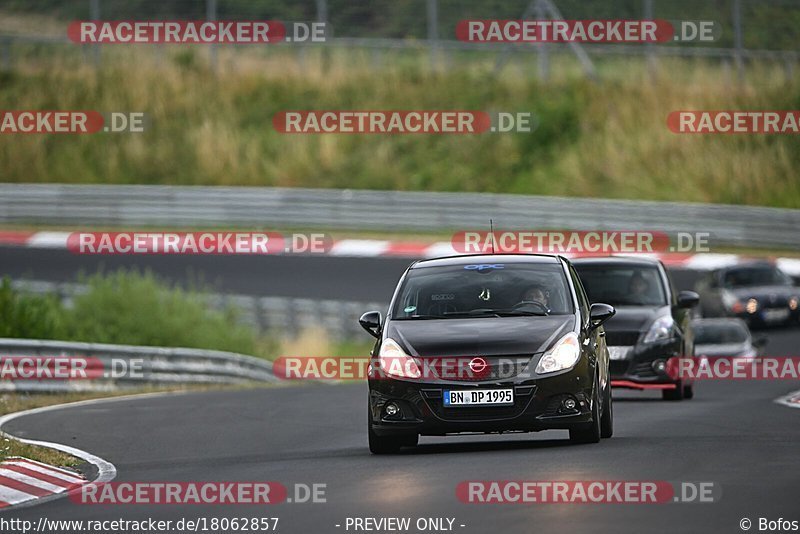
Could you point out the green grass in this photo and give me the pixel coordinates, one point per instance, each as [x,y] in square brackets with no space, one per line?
[606,139]
[10,447]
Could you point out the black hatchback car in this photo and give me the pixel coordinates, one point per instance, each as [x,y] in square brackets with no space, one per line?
[652,327]
[488,344]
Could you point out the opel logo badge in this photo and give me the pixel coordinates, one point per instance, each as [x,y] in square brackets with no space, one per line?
[477,365]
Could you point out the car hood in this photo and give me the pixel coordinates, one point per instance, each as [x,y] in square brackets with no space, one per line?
[634,318]
[766,293]
[485,336]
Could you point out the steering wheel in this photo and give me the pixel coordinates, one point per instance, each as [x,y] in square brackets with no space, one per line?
[536,303]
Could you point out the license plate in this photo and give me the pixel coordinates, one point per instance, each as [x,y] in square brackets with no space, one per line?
[774,316]
[618,353]
[479,397]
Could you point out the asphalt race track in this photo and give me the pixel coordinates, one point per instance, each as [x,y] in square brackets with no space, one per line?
[732,434]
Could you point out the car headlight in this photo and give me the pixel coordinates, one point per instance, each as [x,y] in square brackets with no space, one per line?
[563,355]
[395,362]
[752,306]
[793,302]
[660,329]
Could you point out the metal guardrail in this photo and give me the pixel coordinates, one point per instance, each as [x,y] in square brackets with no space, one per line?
[154,366]
[136,206]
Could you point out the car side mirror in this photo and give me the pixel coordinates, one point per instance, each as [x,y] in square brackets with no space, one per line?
[600,313]
[688,299]
[371,322]
[760,342]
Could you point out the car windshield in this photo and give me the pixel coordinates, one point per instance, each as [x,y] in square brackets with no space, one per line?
[719,333]
[483,290]
[623,285]
[755,276]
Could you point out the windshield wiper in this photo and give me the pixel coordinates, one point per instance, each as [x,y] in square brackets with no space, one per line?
[478,312]
[521,313]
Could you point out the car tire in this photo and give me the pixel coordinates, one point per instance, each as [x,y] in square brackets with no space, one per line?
[607,419]
[590,433]
[673,394]
[388,444]
[688,392]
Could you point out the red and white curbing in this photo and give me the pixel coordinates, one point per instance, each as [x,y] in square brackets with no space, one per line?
[23,480]
[368,248]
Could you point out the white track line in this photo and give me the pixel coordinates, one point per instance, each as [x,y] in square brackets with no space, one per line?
[792,400]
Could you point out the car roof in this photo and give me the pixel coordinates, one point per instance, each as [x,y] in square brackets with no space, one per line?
[467,259]
[615,260]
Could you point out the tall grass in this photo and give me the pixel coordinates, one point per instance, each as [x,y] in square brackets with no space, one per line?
[606,139]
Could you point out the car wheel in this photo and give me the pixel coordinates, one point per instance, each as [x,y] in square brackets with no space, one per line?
[607,419]
[591,432]
[688,392]
[673,394]
[388,444]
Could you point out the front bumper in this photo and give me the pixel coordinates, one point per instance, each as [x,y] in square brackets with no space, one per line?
[640,369]
[537,405]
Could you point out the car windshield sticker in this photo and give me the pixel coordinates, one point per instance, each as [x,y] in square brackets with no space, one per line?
[484,266]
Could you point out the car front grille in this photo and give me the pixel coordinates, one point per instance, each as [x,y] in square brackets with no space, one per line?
[458,369]
[643,370]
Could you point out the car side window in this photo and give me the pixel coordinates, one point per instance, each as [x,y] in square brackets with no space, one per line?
[583,301]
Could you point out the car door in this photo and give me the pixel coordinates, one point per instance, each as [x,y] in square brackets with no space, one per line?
[596,336]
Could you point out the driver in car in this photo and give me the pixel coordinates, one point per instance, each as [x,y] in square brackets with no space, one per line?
[638,286]
[534,294]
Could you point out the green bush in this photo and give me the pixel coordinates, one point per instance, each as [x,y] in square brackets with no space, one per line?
[28,316]
[128,307]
